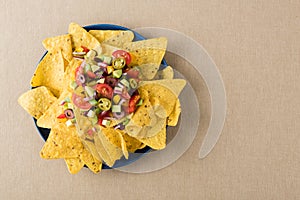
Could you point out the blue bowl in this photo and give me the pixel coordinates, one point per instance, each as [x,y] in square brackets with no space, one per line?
[44,132]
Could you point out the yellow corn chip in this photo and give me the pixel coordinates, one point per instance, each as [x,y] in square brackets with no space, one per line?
[119,39]
[62,43]
[166,73]
[107,35]
[116,138]
[132,144]
[158,141]
[174,115]
[108,152]
[80,37]
[154,43]
[37,101]
[62,143]
[74,165]
[50,72]
[92,163]
[49,117]
[138,129]
[167,91]
[69,75]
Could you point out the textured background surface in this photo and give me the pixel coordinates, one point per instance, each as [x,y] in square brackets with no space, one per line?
[257,49]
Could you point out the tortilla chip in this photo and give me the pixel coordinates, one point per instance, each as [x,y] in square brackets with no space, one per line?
[155,113]
[132,144]
[62,143]
[116,138]
[166,73]
[50,72]
[80,37]
[49,118]
[62,43]
[174,115]
[74,165]
[102,35]
[123,145]
[69,75]
[167,91]
[108,151]
[37,101]
[154,43]
[108,49]
[93,164]
[119,39]
[158,141]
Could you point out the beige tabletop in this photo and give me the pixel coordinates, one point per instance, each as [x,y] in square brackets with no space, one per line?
[256,46]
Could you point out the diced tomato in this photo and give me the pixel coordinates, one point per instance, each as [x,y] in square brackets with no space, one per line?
[102,115]
[61,116]
[122,53]
[91,74]
[104,90]
[85,49]
[80,103]
[133,73]
[132,103]
[78,71]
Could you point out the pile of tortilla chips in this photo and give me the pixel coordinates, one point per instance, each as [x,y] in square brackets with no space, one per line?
[147,126]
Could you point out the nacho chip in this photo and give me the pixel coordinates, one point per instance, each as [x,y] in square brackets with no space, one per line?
[147,54]
[167,91]
[119,39]
[69,75]
[158,141]
[74,165]
[116,138]
[92,163]
[62,143]
[155,114]
[166,73]
[61,43]
[132,144]
[174,115]
[108,152]
[102,35]
[50,72]
[37,101]
[49,117]
[154,43]
[80,37]
[108,49]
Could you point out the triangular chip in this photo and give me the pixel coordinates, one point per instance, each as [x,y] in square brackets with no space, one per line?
[80,37]
[37,101]
[158,141]
[116,138]
[50,72]
[102,35]
[154,43]
[69,75]
[119,39]
[166,73]
[154,114]
[132,144]
[62,43]
[74,165]
[92,163]
[49,118]
[166,91]
[108,151]
[62,143]
[174,115]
